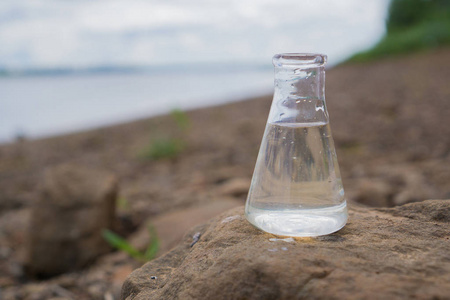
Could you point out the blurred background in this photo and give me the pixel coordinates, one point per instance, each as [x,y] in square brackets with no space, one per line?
[124,123]
[72,65]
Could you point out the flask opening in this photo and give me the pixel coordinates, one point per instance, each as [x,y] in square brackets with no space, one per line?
[296,60]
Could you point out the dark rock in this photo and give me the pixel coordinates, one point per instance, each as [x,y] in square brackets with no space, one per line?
[8,202]
[75,204]
[399,253]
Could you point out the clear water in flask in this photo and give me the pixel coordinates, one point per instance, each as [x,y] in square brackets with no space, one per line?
[296,188]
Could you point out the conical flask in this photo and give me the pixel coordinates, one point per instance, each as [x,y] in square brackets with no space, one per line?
[296,188]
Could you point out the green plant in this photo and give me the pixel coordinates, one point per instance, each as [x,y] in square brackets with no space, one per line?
[163,148]
[120,243]
[122,203]
[169,145]
[412,25]
[181,119]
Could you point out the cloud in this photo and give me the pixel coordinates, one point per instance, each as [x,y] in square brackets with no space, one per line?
[50,33]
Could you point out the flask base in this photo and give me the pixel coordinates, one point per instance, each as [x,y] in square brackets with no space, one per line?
[301,222]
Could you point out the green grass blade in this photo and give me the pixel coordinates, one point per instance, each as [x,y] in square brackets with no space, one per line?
[120,243]
[153,247]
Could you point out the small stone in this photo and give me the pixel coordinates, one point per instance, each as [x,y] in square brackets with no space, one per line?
[195,238]
[74,205]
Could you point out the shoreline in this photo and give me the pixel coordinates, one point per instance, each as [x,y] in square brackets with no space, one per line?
[128,121]
[42,107]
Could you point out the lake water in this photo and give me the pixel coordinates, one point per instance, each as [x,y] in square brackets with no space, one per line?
[40,106]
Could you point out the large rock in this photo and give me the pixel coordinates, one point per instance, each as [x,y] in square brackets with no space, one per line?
[74,205]
[398,253]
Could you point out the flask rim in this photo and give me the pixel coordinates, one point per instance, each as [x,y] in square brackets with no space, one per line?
[296,60]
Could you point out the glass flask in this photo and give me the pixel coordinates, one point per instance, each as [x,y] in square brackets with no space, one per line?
[296,188]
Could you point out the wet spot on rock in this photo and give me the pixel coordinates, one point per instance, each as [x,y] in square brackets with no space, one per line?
[196,238]
[441,216]
[230,219]
[331,238]
[287,240]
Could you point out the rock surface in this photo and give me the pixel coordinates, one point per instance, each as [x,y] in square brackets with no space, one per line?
[171,227]
[74,206]
[393,253]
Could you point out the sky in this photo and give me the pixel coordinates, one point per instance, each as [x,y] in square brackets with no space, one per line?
[89,33]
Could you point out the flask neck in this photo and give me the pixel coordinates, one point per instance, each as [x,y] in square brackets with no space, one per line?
[299,95]
[301,83]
